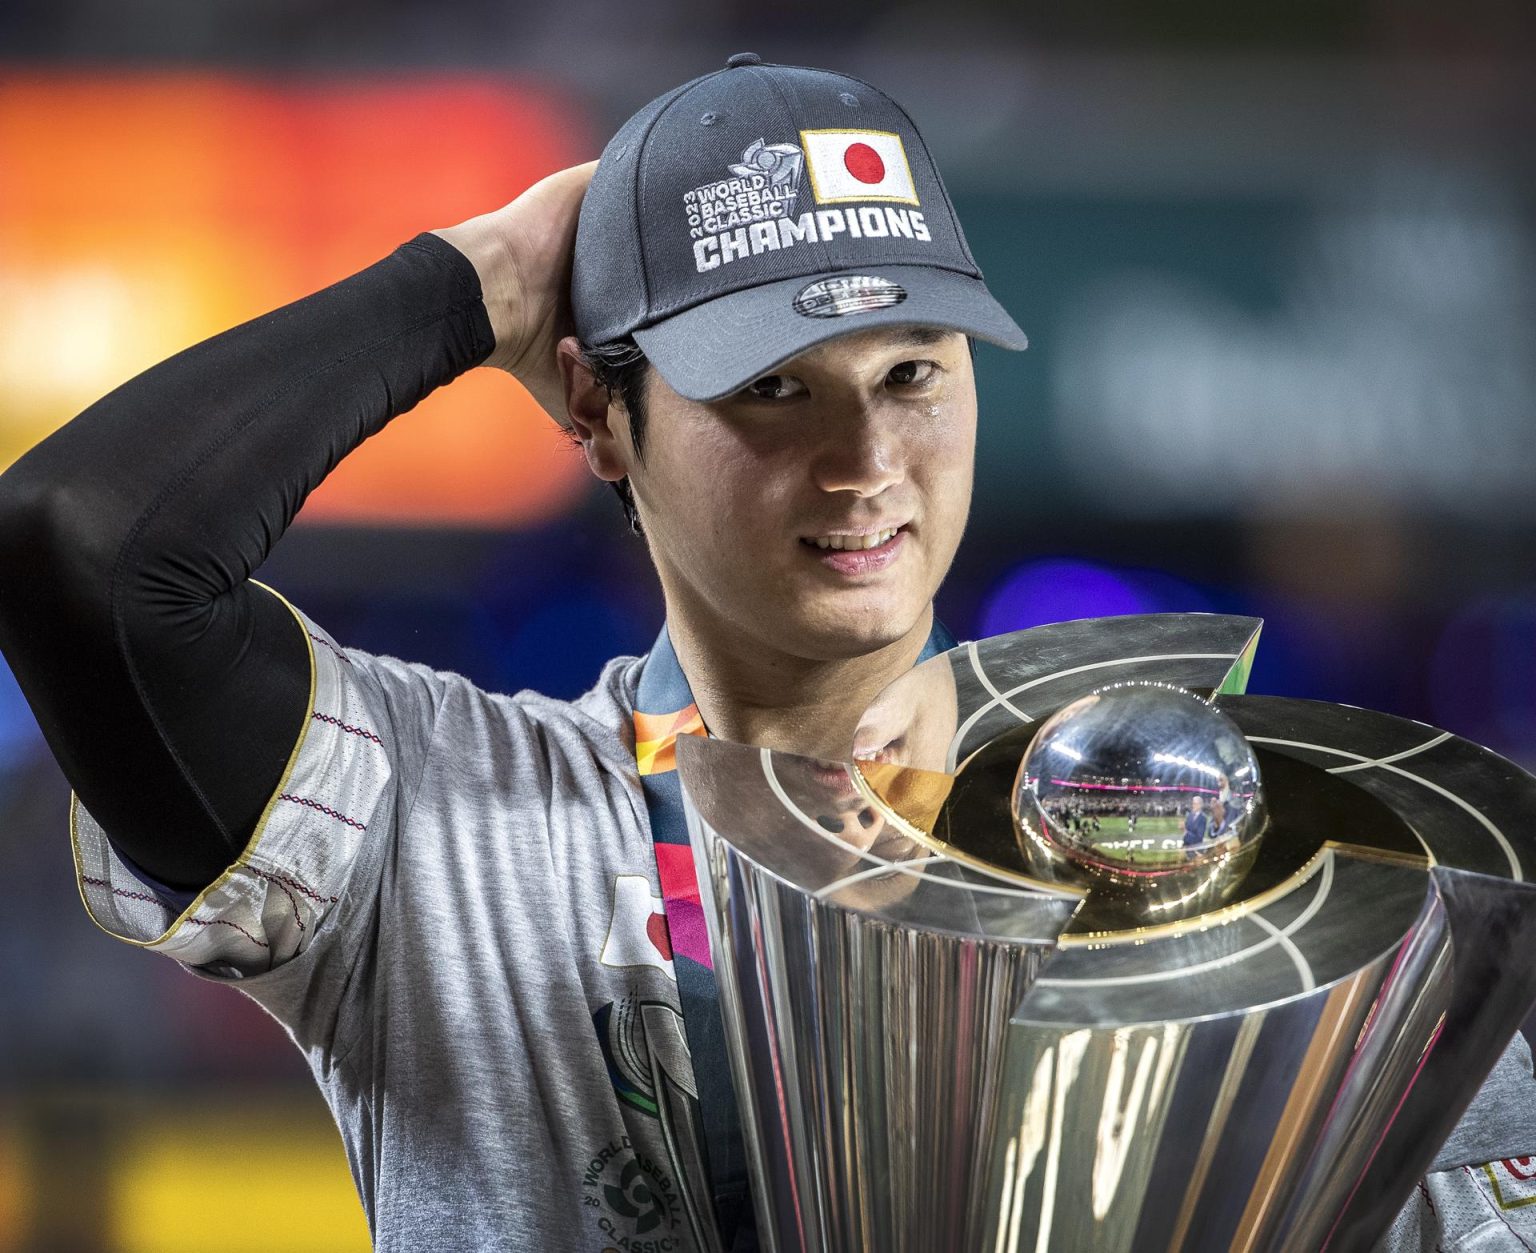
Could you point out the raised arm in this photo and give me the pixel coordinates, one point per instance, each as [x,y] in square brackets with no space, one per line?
[171,688]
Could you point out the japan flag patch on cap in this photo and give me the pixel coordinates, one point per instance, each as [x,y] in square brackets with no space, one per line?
[857,165]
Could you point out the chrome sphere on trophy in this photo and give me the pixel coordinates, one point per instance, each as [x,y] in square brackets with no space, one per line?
[1146,795]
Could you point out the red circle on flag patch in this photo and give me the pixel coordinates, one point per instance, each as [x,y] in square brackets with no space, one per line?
[864,163]
[656,932]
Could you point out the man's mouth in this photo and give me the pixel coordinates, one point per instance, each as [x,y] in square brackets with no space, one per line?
[847,542]
[856,553]
[889,753]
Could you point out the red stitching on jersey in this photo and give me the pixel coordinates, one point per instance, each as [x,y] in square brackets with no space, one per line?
[295,885]
[1494,1209]
[1430,1205]
[196,922]
[324,809]
[224,922]
[329,645]
[351,730]
[293,901]
[132,896]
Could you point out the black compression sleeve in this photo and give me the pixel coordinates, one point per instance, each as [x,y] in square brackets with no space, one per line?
[170,688]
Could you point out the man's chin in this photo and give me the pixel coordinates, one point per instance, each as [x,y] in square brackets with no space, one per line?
[844,637]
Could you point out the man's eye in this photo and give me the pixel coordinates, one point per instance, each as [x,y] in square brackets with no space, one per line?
[912,373]
[774,387]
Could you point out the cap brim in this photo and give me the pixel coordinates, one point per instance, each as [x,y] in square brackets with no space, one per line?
[718,347]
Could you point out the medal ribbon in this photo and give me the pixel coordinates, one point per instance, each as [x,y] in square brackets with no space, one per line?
[664,710]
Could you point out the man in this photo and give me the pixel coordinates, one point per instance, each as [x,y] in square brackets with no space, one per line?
[472,911]
[1196,823]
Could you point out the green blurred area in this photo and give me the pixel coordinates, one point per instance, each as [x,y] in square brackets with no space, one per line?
[1040,254]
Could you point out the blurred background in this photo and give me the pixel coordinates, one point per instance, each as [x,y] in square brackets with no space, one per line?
[1278,268]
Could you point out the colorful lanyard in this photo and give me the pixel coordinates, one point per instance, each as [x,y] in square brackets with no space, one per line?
[664,709]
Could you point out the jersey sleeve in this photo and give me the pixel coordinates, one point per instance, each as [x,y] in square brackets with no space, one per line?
[1480,1192]
[336,792]
[1475,1208]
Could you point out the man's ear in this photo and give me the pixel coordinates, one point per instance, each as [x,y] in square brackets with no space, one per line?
[592,416]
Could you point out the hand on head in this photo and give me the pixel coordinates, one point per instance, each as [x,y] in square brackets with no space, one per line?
[522,253]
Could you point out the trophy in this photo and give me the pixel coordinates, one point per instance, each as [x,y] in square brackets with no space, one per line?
[1086,949]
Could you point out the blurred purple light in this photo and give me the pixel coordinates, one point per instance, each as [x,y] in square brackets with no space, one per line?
[18,729]
[1482,675]
[1057,590]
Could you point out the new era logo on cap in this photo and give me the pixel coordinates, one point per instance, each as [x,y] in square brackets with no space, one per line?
[857,165]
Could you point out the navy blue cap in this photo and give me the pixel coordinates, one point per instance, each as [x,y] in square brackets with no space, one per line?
[752,213]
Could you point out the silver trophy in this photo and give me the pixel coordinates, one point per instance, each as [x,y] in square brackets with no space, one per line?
[1085,949]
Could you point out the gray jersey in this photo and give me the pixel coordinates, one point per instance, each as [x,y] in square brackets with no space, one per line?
[452,905]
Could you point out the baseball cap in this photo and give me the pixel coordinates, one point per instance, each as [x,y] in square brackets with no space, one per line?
[754,212]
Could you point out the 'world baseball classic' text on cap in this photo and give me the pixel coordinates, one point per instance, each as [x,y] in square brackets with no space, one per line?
[752,213]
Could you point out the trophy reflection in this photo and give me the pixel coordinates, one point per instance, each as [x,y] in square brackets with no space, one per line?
[1144,794]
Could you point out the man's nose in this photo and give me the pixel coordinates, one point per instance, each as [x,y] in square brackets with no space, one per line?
[858,452]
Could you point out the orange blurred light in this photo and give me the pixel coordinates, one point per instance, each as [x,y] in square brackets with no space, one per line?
[140,213]
[13,1218]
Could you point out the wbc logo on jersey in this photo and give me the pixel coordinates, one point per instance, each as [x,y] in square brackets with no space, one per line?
[857,165]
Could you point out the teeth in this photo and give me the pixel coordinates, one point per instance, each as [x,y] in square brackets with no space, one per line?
[850,543]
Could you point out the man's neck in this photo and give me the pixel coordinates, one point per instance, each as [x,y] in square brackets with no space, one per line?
[759,695]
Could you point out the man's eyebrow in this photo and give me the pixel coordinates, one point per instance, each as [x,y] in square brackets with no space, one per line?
[895,337]
[920,336]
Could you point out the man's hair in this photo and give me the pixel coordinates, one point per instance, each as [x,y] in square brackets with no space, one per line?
[621,368]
